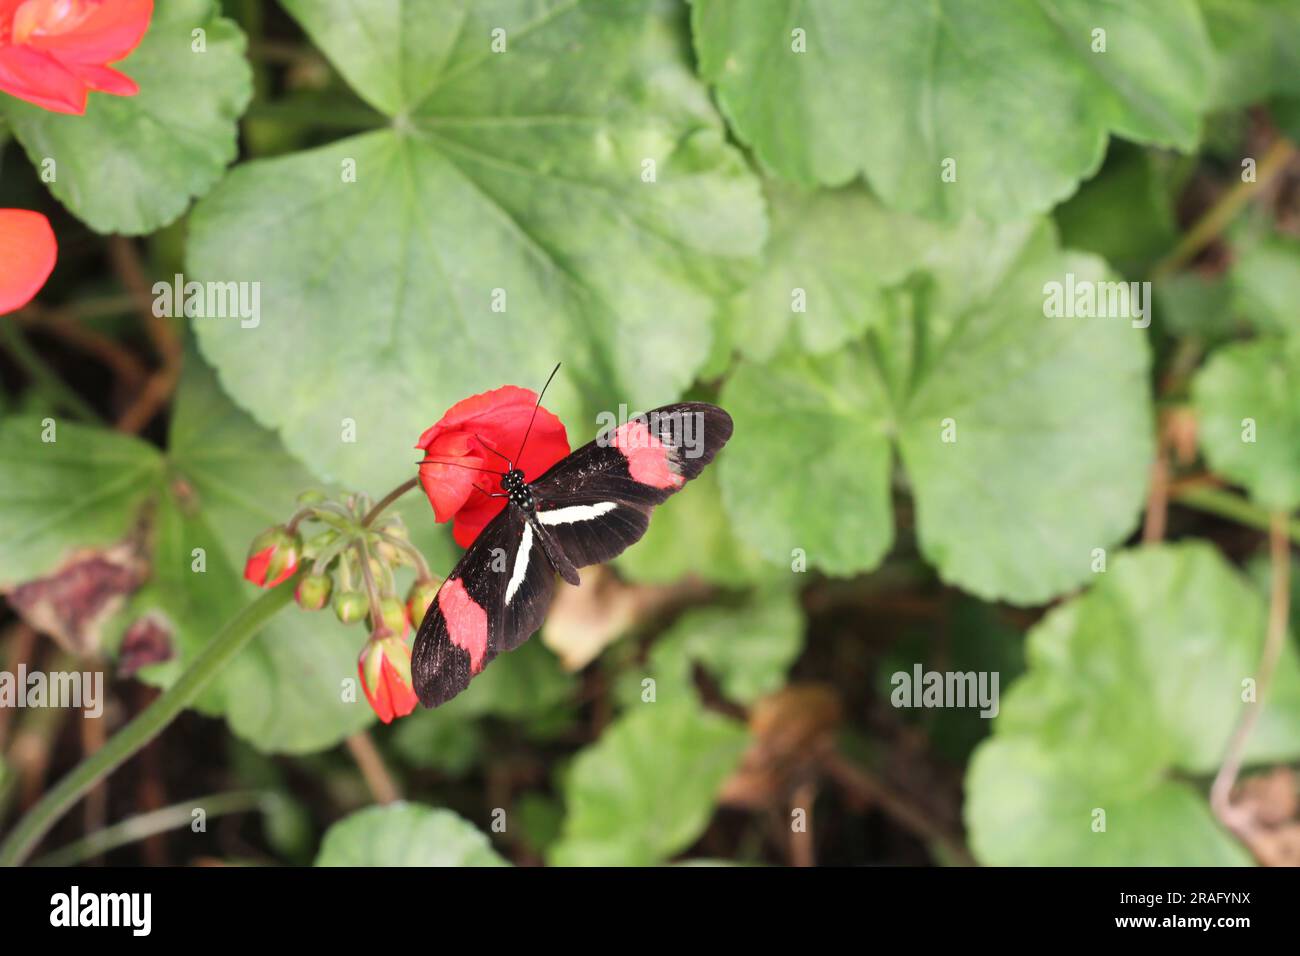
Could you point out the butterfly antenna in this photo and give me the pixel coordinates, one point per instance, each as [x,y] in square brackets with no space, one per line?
[494,451]
[456,464]
[535,408]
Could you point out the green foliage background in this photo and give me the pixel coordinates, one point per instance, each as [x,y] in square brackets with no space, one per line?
[649,182]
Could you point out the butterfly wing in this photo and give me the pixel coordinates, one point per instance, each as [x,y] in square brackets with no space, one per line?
[494,599]
[597,501]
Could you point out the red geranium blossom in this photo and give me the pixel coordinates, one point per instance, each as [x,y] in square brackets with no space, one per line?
[495,420]
[27,254]
[54,52]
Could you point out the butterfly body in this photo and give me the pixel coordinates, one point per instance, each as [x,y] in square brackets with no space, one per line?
[586,509]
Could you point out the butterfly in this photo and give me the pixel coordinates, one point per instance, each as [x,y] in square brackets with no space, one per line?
[586,509]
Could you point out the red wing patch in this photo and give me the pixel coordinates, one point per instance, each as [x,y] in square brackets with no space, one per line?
[649,460]
[467,624]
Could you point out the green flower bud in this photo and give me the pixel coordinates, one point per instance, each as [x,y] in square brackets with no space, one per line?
[419,598]
[393,613]
[351,606]
[313,591]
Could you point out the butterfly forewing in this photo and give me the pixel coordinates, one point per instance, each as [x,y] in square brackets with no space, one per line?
[591,505]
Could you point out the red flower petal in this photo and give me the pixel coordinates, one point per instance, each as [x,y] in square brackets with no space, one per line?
[377,696]
[41,79]
[256,565]
[401,697]
[53,52]
[113,29]
[104,79]
[28,250]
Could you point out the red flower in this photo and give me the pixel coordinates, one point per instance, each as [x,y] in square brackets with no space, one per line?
[28,251]
[385,669]
[495,420]
[54,52]
[272,557]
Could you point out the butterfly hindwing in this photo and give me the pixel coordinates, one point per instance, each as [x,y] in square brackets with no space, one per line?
[484,606]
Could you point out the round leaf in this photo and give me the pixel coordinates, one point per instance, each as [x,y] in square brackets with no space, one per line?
[646,789]
[989,403]
[1164,642]
[559,200]
[81,488]
[132,163]
[1248,397]
[824,90]
[405,834]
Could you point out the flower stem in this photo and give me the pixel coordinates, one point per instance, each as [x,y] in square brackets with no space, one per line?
[387,500]
[1224,504]
[144,825]
[1221,214]
[1234,818]
[228,642]
[43,377]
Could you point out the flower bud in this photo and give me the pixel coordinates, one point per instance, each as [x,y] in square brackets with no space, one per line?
[385,669]
[272,557]
[351,606]
[419,598]
[393,613]
[311,497]
[313,591]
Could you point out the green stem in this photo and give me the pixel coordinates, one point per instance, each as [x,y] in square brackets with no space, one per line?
[387,500]
[144,825]
[1220,215]
[42,376]
[228,642]
[1224,504]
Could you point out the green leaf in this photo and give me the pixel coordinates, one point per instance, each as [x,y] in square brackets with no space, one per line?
[965,345]
[1124,214]
[83,489]
[1163,642]
[1189,303]
[892,90]
[645,791]
[747,649]
[1265,281]
[826,262]
[691,536]
[1257,49]
[229,479]
[1024,808]
[519,171]
[133,163]
[1248,399]
[406,834]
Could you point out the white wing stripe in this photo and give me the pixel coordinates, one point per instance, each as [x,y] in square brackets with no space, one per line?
[521,562]
[576,513]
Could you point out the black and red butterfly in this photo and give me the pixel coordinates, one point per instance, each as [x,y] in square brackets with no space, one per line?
[586,509]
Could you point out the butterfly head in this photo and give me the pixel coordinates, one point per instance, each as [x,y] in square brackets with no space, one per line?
[514,485]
